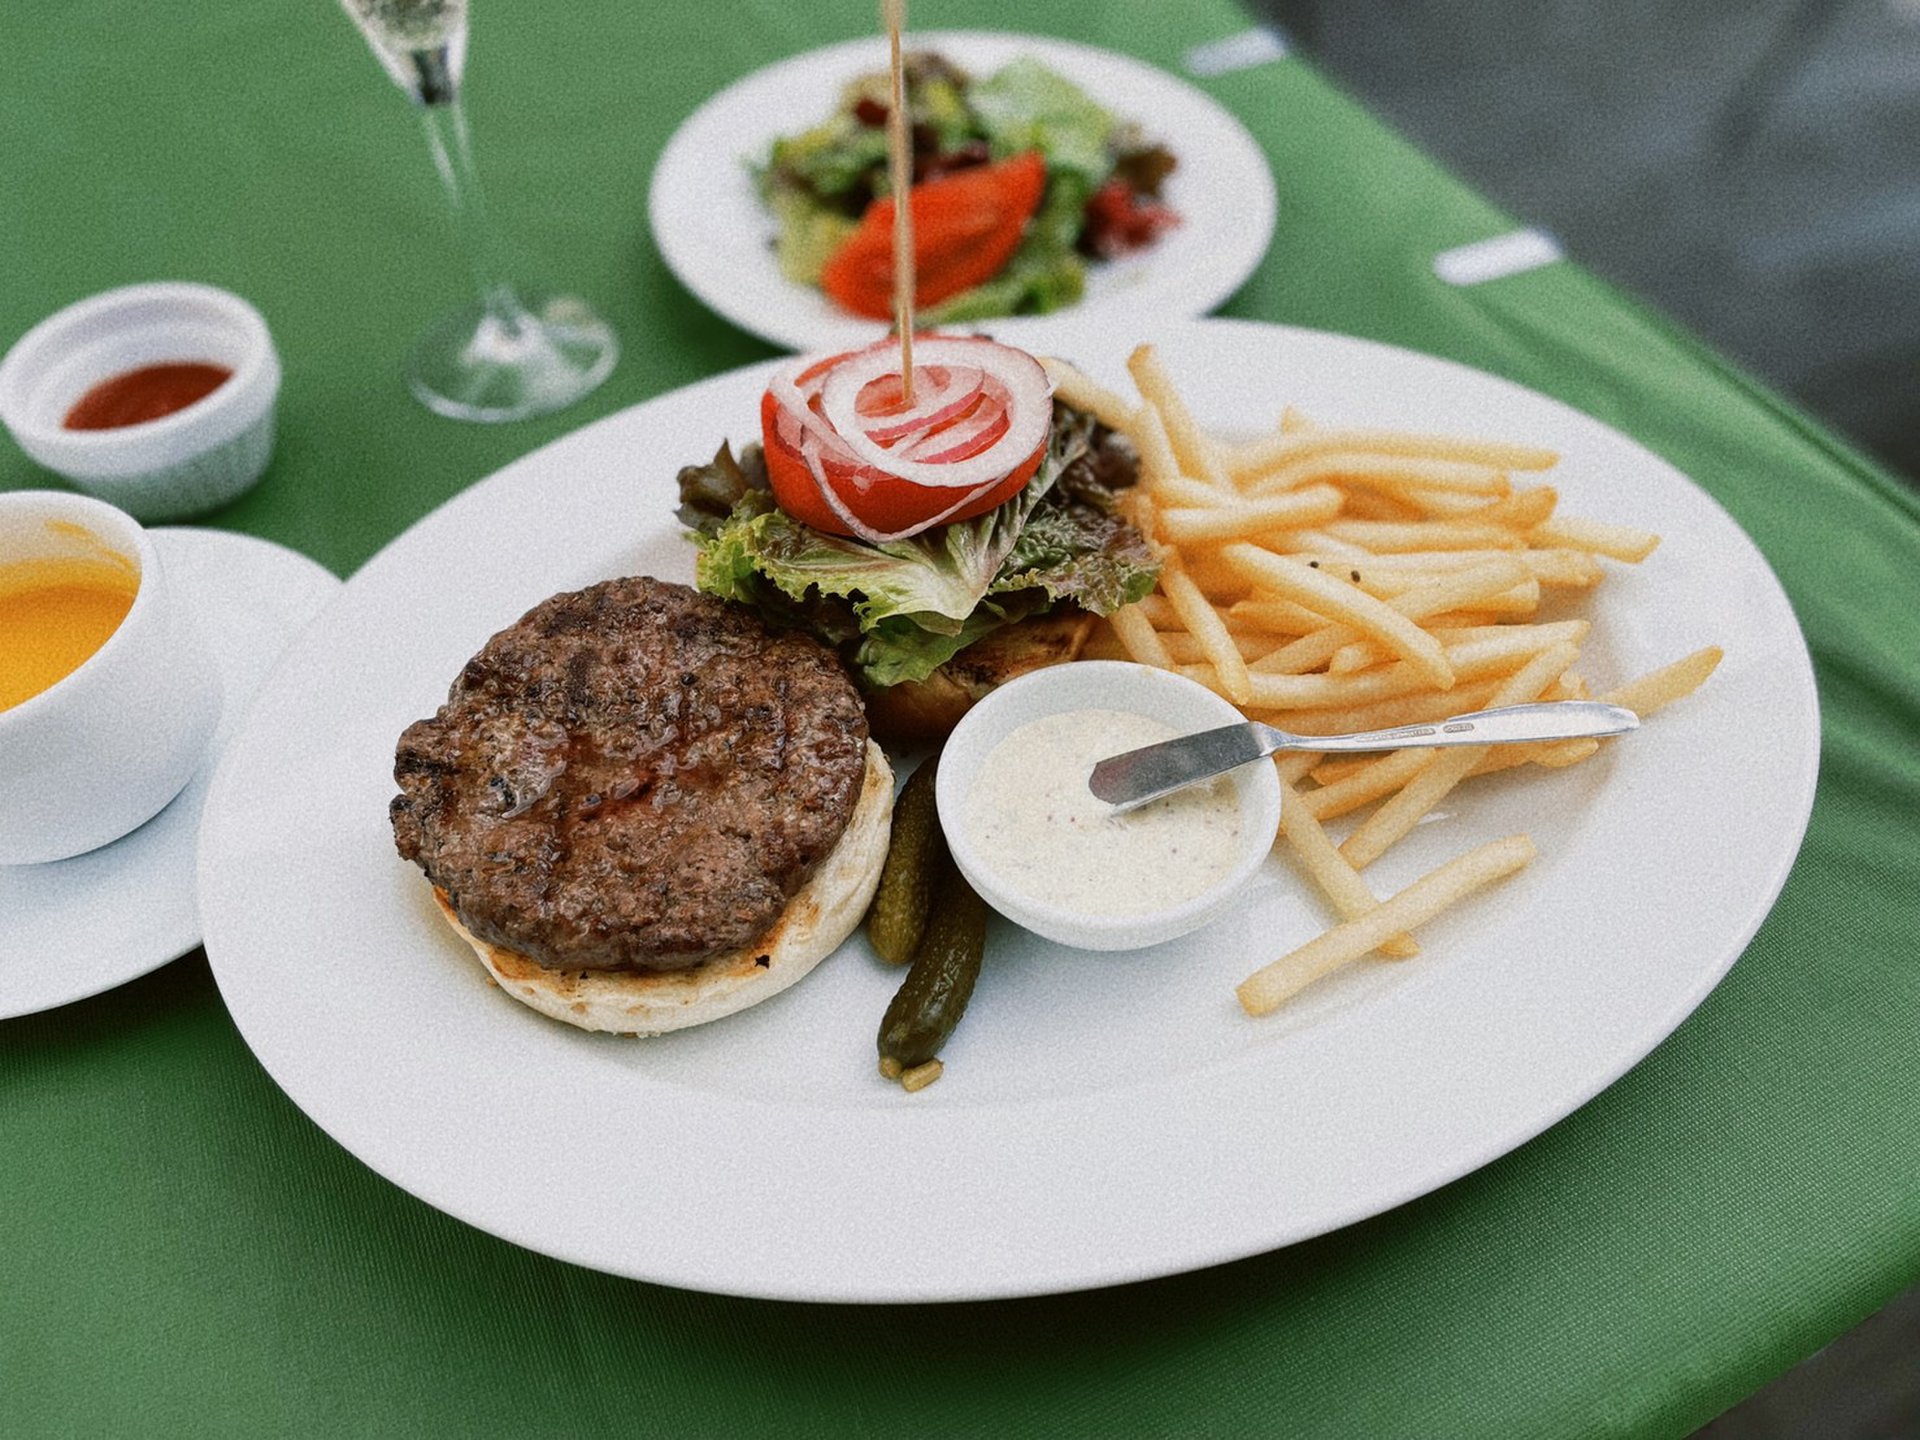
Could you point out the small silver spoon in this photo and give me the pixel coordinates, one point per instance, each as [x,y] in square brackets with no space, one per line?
[1137,776]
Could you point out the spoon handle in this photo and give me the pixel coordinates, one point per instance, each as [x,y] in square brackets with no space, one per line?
[1152,771]
[1508,725]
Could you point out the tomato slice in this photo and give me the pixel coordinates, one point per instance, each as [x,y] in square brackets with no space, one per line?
[966,226]
[847,455]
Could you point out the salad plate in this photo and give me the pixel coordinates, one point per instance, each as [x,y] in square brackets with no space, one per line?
[76,927]
[1103,1117]
[717,235]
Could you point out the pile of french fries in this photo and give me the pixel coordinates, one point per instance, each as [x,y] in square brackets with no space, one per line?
[1335,580]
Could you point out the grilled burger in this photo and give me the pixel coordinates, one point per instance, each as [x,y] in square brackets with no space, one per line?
[643,810]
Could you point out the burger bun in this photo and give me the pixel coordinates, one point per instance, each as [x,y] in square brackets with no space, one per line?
[821,914]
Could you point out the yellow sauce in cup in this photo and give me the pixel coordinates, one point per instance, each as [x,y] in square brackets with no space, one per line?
[54,613]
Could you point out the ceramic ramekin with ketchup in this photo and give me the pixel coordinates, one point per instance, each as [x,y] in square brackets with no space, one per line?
[95,753]
[157,398]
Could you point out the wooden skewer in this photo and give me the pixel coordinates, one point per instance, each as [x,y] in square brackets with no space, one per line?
[900,169]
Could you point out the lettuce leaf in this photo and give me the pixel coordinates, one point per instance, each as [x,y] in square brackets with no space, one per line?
[900,611]
[829,160]
[1025,106]
[809,234]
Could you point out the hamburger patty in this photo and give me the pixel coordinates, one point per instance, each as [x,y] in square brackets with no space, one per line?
[634,776]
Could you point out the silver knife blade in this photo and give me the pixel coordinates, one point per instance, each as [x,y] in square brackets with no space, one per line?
[1137,776]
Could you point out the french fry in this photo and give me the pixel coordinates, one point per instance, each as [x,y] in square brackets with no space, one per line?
[1558,566]
[1616,542]
[1436,504]
[1159,612]
[1427,565]
[1522,599]
[1260,458]
[1181,490]
[1231,518]
[1183,649]
[1383,537]
[1387,825]
[1141,640]
[1566,568]
[1380,777]
[1522,510]
[1317,691]
[1272,614]
[1420,903]
[1360,655]
[1157,461]
[1396,475]
[1293,765]
[1338,601]
[1074,387]
[1479,583]
[1191,448]
[1380,505]
[1402,475]
[1500,653]
[1221,581]
[1329,769]
[1203,622]
[1389,585]
[1318,542]
[1660,688]
[1553,754]
[1418,709]
[1336,879]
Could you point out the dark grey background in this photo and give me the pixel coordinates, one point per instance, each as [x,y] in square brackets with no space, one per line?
[1752,169]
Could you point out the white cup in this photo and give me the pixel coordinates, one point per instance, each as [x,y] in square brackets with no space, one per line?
[103,750]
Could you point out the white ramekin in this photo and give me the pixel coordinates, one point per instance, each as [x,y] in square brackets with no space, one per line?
[102,751]
[1100,685]
[186,463]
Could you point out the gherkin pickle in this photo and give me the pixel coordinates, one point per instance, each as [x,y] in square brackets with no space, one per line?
[898,915]
[940,981]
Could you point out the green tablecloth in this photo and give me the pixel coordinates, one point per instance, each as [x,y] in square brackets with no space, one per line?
[182,1252]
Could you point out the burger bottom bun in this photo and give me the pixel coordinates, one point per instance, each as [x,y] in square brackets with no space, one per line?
[822,913]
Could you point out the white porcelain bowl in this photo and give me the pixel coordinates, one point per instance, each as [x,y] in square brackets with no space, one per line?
[186,463]
[1101,685]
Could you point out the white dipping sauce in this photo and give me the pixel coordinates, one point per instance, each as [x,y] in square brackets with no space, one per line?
[1044,834]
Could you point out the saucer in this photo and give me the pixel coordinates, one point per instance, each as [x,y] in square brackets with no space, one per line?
[72,928]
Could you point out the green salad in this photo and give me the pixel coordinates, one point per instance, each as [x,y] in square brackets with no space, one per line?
[1021,179]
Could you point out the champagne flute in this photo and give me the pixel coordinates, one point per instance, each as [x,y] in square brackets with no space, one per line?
[513,351]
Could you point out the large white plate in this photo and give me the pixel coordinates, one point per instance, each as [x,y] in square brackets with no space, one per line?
[717,237]
[1103,1117]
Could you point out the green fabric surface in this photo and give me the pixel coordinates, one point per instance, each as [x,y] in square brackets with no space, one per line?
[183,1253]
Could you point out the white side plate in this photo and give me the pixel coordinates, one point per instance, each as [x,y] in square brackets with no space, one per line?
[718,238]
[76,927]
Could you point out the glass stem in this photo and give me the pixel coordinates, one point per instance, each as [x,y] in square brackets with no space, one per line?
[445,122]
